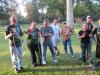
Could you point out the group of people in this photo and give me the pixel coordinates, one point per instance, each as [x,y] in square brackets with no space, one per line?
[38,39]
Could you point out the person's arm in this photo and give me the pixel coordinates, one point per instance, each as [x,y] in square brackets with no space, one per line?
[8,36]
[80,36]
[28,34]
[71,31]
[8,33]
[94,32]
[21,32]
[52,32]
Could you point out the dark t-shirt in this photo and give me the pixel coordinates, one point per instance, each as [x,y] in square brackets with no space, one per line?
[86,39]
[33,37]
[15,39]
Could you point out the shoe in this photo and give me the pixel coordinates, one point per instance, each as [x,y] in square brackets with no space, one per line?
[21,68]
[66,54]
[17,70]
[90,65]
[44,62]
[72,56]
[34,65]
[55,61]
[83,64]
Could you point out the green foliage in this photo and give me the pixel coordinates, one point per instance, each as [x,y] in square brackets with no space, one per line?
[55,8]
[3,9]
[80,10]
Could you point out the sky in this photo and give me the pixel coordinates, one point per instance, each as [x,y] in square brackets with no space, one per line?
[21,7]
[22,10]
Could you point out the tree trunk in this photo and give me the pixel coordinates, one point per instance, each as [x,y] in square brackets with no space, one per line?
[69,18]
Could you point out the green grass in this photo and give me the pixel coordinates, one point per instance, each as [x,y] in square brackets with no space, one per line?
[65,65]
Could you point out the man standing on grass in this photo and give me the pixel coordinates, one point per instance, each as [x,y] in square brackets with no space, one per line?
[97,41]
[46,34]
[91,28]
[56,36]
[14,33]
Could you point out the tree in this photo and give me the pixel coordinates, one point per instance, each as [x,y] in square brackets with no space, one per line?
[12,6]
[32,10]
[70,19]
[3,9]
[55,8]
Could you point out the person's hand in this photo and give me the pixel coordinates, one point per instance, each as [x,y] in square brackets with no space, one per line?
[83,36]
[98,33]
[8,36]
[90,35]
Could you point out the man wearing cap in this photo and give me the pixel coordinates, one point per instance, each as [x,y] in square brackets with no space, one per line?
[91,28]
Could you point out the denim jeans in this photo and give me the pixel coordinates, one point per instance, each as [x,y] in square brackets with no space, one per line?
[69,44]
[16,56]
[90,50]
[50,45]
[85,51]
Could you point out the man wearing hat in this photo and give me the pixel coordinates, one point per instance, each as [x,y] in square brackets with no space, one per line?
[90,25]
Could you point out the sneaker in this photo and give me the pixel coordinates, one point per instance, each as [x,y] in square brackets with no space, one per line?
[34,65]
[66,54]
[55,61]
[90,64]
[44,62]
[17,70]
[21,68]
[83,64]
[72,56]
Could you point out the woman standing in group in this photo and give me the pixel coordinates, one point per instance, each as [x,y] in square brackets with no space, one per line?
[34,44]
[84,36]
[66,33]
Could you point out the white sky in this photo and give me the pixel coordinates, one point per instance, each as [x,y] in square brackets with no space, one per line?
[21,8]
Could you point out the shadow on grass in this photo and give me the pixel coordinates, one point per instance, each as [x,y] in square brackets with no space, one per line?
[67,65]
[86,69]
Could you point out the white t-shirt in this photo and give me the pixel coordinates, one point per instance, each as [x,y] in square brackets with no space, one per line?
[56,30]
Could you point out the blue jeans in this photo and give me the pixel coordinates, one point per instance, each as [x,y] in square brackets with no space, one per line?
[69,44]
[90,50]
[85,51]
[16,56]
[50,45]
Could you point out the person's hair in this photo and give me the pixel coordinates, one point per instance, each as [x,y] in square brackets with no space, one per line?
[13,18]
[46,20]
[30,26]
[64,23]
[88,17]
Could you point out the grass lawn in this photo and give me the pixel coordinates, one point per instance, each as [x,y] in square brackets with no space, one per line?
[65,65]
